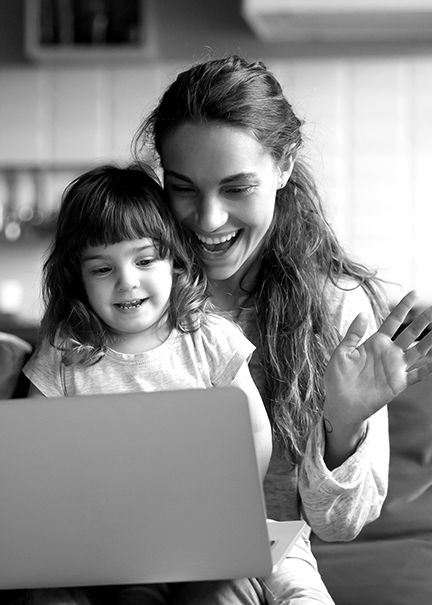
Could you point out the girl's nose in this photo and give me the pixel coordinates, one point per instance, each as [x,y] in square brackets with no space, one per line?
[211,214]
[128,279]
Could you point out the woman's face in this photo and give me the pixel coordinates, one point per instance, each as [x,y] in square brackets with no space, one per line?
[222,185]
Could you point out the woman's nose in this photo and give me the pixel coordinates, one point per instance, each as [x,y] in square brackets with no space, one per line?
[211,214]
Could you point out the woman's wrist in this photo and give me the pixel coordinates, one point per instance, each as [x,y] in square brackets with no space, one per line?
[341,440]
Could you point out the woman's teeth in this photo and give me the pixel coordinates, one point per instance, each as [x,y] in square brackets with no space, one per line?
[216,244]
[130,304]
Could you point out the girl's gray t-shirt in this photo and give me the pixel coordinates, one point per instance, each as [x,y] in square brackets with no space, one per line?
[211,356]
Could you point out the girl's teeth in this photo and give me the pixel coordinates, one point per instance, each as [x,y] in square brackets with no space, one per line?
[130,304]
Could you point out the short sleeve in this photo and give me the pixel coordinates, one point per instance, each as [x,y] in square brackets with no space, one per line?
[43,369]
[225,349]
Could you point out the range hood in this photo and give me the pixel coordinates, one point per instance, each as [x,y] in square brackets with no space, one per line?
[339,20]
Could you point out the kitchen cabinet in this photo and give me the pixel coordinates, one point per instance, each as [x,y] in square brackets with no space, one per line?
[89,30]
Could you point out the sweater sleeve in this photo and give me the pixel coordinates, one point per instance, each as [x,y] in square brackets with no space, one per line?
[337,504]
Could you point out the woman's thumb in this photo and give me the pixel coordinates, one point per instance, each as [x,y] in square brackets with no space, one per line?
[355,332]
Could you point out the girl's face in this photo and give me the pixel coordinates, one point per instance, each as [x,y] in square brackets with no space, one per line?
[128,287]
[222,186]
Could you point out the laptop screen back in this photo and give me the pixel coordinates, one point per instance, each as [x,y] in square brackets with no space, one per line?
[133,488]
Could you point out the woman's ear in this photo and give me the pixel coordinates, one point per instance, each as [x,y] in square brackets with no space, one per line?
[285,170]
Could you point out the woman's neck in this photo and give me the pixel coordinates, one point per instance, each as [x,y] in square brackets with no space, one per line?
[228,294]
[233,293]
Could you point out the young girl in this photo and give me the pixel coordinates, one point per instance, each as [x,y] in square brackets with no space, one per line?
[126,308]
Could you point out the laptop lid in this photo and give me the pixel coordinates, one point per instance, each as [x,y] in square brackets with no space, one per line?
[131,488]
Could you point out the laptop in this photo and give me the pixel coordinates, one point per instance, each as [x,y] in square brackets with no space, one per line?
[131,488]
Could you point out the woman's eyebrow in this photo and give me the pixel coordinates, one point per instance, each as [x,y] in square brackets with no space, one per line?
[228,179]
[239,176]
[177,175]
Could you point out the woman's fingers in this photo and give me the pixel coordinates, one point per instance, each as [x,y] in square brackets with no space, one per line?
[406,339]
[418,374]
[414,329]
[395,319]
[420,349]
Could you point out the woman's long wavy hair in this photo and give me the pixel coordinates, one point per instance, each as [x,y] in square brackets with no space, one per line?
[300,253]
[107,205]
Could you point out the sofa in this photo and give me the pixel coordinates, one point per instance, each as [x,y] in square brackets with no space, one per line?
[390,562]
[14,351]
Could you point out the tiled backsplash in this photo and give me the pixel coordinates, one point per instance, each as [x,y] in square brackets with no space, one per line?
[368,126]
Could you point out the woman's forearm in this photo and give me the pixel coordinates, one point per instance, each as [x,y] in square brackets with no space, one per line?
[341,441]
[337,503]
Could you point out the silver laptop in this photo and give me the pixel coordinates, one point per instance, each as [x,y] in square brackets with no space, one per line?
[135,488]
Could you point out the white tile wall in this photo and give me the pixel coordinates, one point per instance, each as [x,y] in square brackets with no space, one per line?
[369,137]
[368,130]
[22,97]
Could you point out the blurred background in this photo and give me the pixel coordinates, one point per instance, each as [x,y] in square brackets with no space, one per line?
[76,77]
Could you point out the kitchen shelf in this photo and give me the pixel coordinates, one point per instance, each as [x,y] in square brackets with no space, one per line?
[89,31]
[30,196]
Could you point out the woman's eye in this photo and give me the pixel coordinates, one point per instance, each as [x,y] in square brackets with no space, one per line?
[185,189]
[241,190]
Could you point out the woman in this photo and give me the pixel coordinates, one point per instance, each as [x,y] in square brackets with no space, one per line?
[229,144]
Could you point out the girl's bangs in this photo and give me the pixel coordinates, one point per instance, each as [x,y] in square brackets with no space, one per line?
[129,219]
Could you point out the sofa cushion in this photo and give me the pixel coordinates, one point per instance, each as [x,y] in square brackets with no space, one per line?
[390,562]
[13,353]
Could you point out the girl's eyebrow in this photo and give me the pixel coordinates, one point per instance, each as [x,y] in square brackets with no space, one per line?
[101,256]
[224,181]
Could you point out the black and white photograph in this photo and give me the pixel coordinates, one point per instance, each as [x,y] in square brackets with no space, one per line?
[215,302]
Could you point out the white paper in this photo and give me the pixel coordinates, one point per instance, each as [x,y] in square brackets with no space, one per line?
[282,536]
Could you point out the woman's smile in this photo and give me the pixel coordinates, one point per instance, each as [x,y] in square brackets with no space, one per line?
[216,246]
[222,186]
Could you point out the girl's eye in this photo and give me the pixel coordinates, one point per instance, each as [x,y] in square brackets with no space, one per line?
[100,270]
[145,262]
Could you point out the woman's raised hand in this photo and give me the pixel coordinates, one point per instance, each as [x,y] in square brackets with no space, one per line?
[362,378]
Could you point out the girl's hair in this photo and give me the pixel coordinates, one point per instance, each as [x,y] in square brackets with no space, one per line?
[104,206]
[301,253]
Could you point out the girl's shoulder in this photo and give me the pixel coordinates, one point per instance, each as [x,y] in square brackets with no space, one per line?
[43,369]
[222,348]
[219,330]
[221,319]
[47,350]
